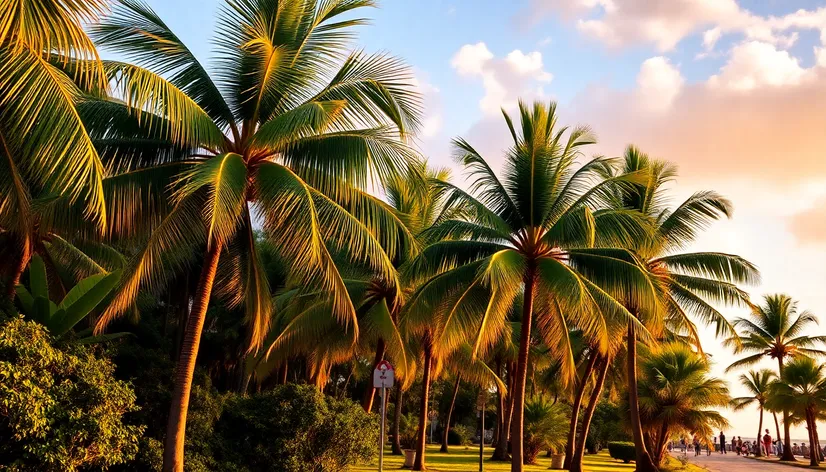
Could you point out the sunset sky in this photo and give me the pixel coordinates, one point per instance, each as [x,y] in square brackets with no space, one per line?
[733,92]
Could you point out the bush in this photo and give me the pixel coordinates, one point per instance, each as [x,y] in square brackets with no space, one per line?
[295,428]
[621,450]
[546,427]
[60,408]
[459,435]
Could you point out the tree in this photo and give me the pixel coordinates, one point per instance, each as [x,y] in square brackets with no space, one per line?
[678,394]
[544,427]
[290,128]
[531,237]
[757,384]
[801,390]
[686,282]
[775,330]
[47,158]
[61,408]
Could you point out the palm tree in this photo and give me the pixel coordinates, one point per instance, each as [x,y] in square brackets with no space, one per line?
[289,127]
[677,394]
[686,282]
[775,330]
[757,384]
[801,390]
[531,237]
[47,159]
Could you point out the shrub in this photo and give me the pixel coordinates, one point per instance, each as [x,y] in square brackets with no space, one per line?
[60,408]
[621,450]
[408,426]
[546,427]
[295,428]
[459,435]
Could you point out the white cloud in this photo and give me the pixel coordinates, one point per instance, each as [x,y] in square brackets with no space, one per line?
[517,75]
[754,64]
[710,37]
[471,58]
[432,120]
[547,40]
[659,83]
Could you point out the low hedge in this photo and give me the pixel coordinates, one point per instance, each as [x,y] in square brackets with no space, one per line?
[621,450]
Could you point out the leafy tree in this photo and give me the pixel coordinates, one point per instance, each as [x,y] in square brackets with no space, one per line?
[801,390]
[544,427]
[776,330]
[678,394]
[47,159]
[688,284]
[289,127]
[531,237]
[757,384]
[60,407]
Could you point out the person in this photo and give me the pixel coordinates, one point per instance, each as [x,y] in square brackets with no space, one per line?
[767,443]
[722,443]
[682,444]
[708,446]
[795,449]
[740,443]
[804,451]
[696,446]
[736,444]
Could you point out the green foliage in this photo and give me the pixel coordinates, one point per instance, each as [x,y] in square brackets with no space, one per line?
[295,428]
[407,430]
[622,450]
[60,407]
[81,299]
[459,435]
[607,425]
[546,426]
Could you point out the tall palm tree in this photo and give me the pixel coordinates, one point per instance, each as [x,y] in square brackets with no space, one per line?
[531,237]
[757,383]
[289,127]
[47,158]
[688,283]
[775,330]
[678,394]
[801,389]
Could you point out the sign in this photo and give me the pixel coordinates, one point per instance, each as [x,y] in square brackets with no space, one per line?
[383,375]
[481,401]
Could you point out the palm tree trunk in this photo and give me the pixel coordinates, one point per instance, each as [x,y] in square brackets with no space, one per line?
[644,462]
[518,392]
[787,437]
[18,268]
[810,420]
[427,366]
[282,373]
[816,439]
[509,417]
[575,407]
[446,427]
[777,429]
[500,452]
[396,445]
[370,392]
[759,430]
[173,455]
[579,451]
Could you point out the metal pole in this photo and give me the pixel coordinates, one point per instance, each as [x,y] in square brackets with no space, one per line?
[381,438]
[482,441]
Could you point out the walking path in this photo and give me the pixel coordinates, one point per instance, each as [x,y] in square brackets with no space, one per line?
[731,462]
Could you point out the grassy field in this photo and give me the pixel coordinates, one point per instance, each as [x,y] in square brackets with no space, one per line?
[463,459]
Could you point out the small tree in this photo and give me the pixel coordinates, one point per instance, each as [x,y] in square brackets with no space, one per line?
[545,428]
[60,408]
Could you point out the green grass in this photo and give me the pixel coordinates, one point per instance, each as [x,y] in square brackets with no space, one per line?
[467,460]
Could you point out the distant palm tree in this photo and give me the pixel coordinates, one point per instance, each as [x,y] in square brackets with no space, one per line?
[757,384]
[678,394]
[775,331]
[688,283]
[801,390]
[47,159]
[289,127]
[531,237]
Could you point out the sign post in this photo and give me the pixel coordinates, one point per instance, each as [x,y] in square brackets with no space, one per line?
[383,377]
[481,402]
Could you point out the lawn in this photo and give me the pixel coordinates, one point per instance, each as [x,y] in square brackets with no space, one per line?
[467,460]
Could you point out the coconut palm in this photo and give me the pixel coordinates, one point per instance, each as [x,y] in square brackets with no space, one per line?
[529,237]
[688,283]
[289,127]
[775,330]
[757,384]
[678,394]
[801,390]
[46,154]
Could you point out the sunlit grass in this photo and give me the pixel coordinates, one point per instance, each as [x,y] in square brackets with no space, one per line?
[466,459]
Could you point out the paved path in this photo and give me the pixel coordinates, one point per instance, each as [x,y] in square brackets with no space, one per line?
[731,462]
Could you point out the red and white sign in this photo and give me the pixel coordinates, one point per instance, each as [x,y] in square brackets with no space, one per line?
[383,375]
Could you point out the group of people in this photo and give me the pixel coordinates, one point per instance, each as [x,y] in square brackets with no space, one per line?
[765,444]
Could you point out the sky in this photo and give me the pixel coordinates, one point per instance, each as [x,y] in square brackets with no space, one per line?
[733,92]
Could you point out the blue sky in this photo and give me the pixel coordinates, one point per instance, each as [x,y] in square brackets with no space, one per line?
[730,90]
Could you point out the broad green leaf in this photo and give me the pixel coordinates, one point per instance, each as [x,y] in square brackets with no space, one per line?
[82,299]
